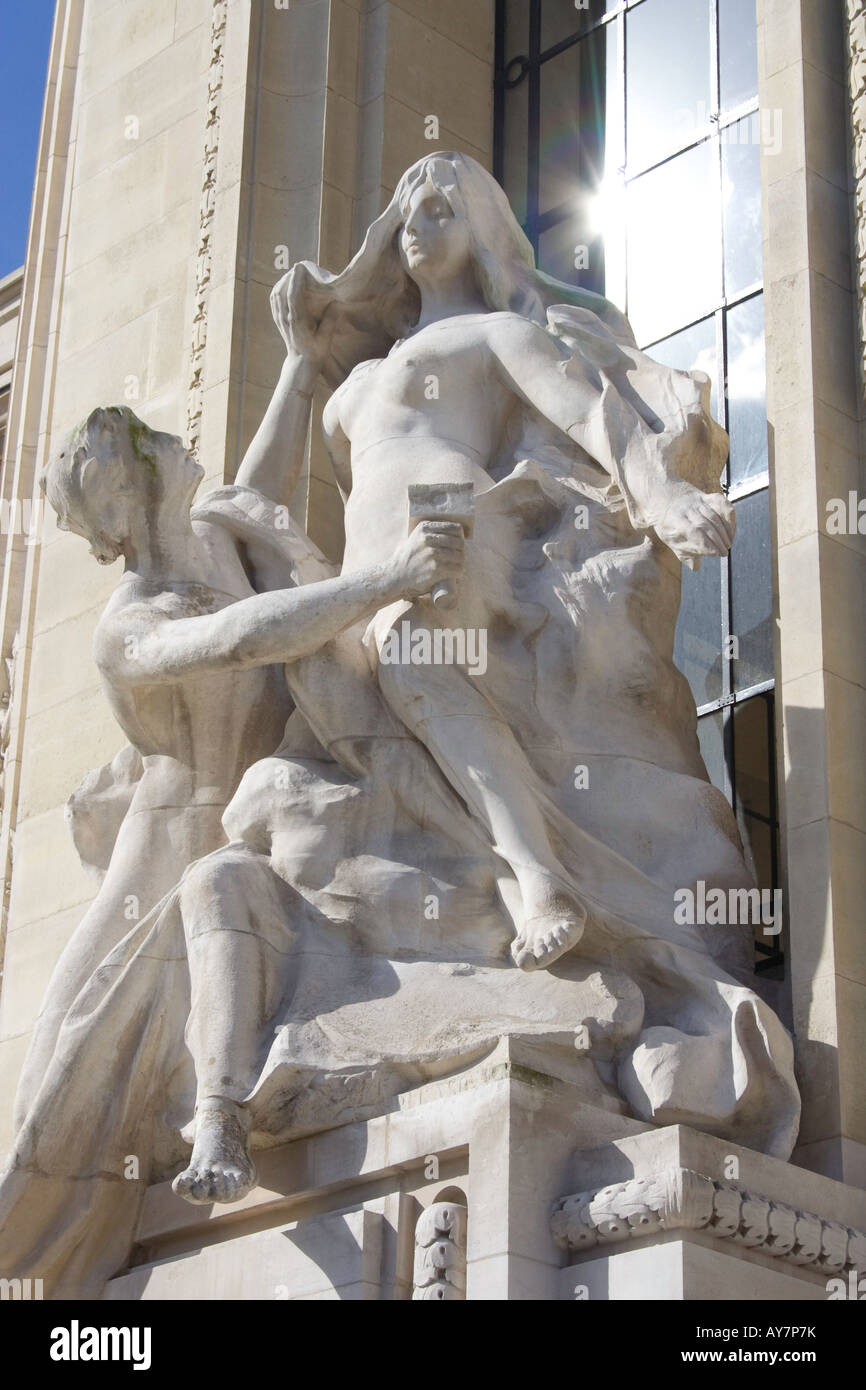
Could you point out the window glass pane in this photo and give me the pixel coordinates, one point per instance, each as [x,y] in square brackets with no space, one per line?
[757,839]
[667,77]
[516,29]
[515,142]
[741,197]
[581,123]
[738,51]
[674,244]
[710,738]
[563,254]
[747,413]
[694,349]
[752,592]
[561,18]
[698,641]
[752,756]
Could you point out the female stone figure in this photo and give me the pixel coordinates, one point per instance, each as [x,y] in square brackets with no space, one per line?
[549,415]
[477,368]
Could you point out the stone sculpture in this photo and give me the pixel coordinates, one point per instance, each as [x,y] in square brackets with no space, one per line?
[437,853]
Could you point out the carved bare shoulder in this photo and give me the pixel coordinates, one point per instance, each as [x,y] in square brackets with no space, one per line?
[124,623]
[519,346]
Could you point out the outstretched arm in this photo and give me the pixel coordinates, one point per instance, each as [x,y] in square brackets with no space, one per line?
[137,645]
[273,461]
[592,412]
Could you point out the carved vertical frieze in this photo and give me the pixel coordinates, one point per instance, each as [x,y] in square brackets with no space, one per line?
[204,259]
[857,86]
[440,1253]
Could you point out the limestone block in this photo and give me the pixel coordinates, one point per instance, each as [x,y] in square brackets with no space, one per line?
[782,34]
[782,91]
[335,235]
[68,586]
[109,365]
[841,468]
[334,1256]
[433,75]
[150,266]
[153,178]
[786,243]
[843,574]
[341,138]
[296,162]
[158,94]
[190,15]
[123,35]
[62,665]
[31,953]
[826,104]
[812,912]
[851,1022]
[846,749]
[405,140]
[44,843]
[806,793]
[789,379]
[829,235]
[684,1271]
[800,610]
[343,49]
[61,763]
[848,878]
[816,1032]
[279,220]
[296,47]
[470,26]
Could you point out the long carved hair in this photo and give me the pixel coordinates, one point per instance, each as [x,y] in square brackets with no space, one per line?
[378,303]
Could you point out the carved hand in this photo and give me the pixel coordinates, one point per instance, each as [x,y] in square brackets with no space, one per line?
[434,551]
[303,336]
[698,523]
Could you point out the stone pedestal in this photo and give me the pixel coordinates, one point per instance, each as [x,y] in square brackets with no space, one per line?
[335,1215]
[382,1210]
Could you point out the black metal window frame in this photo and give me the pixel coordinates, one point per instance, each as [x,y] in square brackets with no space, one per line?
[510,72]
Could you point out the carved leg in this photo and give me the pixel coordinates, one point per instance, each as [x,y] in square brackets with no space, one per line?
[482,759]
[237,919]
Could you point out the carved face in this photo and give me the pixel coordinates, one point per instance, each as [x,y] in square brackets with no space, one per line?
[434,242]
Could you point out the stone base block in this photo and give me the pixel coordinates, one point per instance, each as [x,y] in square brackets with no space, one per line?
[456,1192]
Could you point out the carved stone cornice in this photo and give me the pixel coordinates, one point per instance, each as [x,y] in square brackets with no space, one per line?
[681,1199]
[856,14]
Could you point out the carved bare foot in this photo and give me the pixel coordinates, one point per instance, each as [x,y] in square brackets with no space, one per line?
[221,1169]
[548,932]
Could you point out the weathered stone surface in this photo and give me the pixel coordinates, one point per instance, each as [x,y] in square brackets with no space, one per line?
[479,817]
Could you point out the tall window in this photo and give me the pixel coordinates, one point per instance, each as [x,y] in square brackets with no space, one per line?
[628,139]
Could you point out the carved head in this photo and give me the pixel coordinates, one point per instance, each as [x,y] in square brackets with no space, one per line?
[112,471]
[435,240]
[447,214]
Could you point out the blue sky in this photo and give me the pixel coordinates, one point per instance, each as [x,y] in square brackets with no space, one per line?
[25,35]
